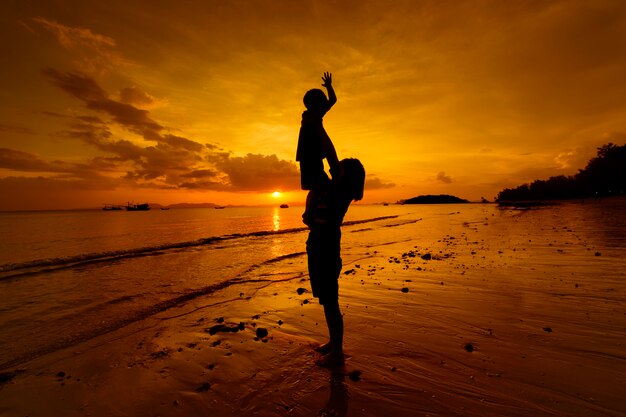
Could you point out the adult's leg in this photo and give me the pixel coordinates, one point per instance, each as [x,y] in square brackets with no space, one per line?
[334,321]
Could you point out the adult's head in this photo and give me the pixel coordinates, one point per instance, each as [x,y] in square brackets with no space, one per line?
[352,181]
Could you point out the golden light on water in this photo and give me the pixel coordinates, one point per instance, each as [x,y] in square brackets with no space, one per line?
[276,219]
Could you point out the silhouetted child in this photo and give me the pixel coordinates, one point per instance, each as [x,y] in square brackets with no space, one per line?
[314,144]
[323,248]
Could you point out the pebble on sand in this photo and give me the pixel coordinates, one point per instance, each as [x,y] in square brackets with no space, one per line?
[469,347]
[301,290]
[427,256]
[204,387]
[404,289]
[224,328]
[261,332]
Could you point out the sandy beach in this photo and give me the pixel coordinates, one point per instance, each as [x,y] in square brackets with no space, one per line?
[514,313]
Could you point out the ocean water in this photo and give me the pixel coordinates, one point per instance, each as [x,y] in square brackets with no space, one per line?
[67,277]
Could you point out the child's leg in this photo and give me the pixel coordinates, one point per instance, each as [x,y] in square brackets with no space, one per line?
[316,209]
[307,216]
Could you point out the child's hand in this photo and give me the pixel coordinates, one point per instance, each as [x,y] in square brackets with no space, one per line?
[328,80]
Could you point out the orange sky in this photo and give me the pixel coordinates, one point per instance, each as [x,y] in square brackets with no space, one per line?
[200,101]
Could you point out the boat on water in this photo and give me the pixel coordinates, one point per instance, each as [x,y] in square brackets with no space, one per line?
[137,207]
[284,206]
[111,207]
[219,207]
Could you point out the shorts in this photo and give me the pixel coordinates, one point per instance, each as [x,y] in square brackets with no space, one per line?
[323,249]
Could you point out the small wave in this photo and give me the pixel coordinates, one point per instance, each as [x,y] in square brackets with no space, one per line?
[374,219]
[402,223]
[121,299]
[140,314]
[13,270]
[274,260]
[283,257]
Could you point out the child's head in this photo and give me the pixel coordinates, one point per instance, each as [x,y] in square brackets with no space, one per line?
[315,100]
[352,181]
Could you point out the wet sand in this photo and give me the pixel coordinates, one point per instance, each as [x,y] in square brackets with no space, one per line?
[522,313]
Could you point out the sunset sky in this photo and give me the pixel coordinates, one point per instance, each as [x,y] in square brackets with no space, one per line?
[200,101]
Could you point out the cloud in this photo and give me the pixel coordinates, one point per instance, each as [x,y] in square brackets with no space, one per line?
[138,98]
[23,161]
[165,162]
[174,161]
[90,132]
[204,185]
[30,192]
[76,84]
[86,89]
[65,172]
[614,137]
[441,176]
[255,172]
[70,37]
[200,173]
[95,53]
[15,129]
[564,159]
[375,183]
[180,142]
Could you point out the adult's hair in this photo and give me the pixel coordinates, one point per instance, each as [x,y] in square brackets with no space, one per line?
[352,181]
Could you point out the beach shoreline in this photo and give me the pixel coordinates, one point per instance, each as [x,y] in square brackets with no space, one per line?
[513,314]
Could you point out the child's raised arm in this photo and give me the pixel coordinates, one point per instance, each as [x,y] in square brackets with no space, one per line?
[328,83]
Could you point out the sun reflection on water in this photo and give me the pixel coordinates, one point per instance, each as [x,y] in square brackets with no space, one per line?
[276,219]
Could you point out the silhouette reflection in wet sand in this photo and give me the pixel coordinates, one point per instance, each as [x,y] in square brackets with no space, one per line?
[337,404]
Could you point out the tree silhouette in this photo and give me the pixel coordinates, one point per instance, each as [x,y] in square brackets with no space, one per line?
[604,175]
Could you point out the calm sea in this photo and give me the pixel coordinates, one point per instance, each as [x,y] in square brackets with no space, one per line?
[38,235]
[69,276]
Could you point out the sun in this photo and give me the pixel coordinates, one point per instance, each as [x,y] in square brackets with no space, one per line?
[276,194]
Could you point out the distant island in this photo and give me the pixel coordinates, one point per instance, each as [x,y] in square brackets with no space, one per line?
[158,206]
[604,176]
[435,199]
[193,205]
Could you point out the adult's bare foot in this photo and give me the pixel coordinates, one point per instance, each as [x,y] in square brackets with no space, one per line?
[324,349]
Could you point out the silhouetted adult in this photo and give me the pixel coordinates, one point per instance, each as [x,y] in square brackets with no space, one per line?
[325,210]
